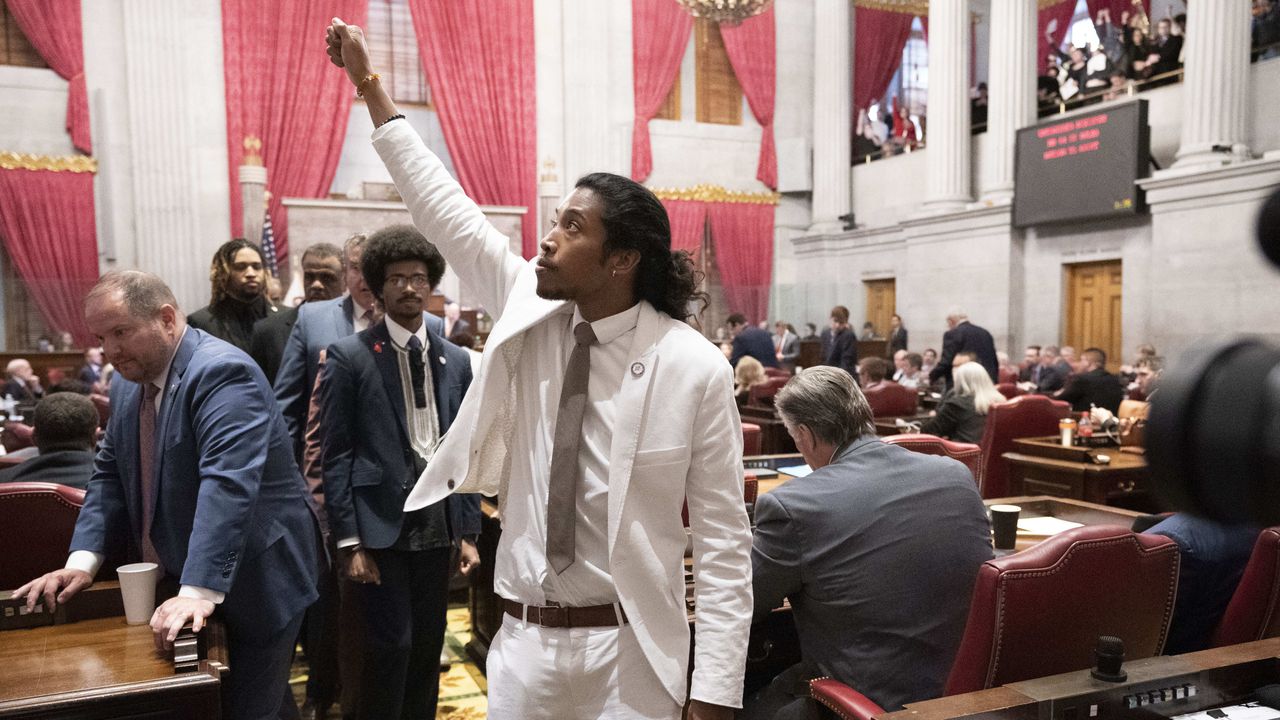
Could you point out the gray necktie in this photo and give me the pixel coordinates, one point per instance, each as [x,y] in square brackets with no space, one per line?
[146,469]
[562,512]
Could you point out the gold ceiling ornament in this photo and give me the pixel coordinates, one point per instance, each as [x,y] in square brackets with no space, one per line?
[252,150]
[1042,4]
[53,163]
[911,7]
[715,193]
[730,12]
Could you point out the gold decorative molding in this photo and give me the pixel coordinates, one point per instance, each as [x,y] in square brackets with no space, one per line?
[252,150]
[53,163]
[715,193]
[1042,4]
[912,7]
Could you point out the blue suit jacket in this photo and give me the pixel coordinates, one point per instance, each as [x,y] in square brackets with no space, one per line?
[754,342]
[368,468]
[319,325]
[232,513]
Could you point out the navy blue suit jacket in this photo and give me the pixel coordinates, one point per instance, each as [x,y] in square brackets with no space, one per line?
[318,325]
[232,513]
[754,342]
[966,337]
[368,468]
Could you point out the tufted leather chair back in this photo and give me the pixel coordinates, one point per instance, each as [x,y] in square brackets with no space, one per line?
[1026,416]
[967,453]
[1254,610]
[38,520]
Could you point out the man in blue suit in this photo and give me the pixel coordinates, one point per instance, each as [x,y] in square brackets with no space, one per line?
[387,396]
[196,472]
[750,340]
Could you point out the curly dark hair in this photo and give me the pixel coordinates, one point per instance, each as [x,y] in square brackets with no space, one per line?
[396,243]
[220,268]
[634,219]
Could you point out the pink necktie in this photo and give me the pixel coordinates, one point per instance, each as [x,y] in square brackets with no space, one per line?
[147,446]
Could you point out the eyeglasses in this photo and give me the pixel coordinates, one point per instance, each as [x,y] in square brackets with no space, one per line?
[418,281]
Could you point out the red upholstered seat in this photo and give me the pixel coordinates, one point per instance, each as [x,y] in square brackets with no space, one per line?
[762,394]
[17,436]
[1026,416]
[1007,375]
[1009,390]
[1252,613]
[967,453]
[777,372]
[1040,612]
[752,437]
[38,520]
[890,399]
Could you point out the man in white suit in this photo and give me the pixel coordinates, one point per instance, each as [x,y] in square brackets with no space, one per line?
[596,415]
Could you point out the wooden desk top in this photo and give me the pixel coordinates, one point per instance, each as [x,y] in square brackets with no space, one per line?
[1052,452]
[77,656]
[889,425]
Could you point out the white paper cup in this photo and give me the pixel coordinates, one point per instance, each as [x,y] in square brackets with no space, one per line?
[138,586]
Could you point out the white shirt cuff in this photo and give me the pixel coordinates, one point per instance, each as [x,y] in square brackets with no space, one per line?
[199,593]
[348,542]
[86,561]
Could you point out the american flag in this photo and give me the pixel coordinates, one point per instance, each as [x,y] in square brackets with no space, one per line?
[268,243]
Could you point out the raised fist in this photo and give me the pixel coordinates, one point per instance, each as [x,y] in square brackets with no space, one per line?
[347,50]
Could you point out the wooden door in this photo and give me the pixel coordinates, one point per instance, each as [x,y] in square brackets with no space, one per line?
[881,300]
[1093,317]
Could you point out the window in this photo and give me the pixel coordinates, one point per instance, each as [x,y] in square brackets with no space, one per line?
[393,48]
[15,49]
[719,95]
[914,75]
[670,109]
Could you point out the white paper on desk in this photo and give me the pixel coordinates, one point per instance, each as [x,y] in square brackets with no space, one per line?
[796,470]
[1045,526]
[1247,711]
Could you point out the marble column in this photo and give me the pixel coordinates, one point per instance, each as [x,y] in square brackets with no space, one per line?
[548,22]
[1012,92]
[1216,84]
[832,113]
[947,138]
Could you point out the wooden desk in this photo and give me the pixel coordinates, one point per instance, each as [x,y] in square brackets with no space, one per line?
[889,425]
[1041,466]
[104,668]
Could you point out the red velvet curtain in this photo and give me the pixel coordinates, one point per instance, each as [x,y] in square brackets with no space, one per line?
[743,237]
[285,93]
[478,56]
[47,223]
[659,35]
[1060,12]
[1117,7]
[881,35]
[688,223]
[53,27]
[751,50]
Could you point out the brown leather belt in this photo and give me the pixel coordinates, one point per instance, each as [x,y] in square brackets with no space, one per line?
[566,617]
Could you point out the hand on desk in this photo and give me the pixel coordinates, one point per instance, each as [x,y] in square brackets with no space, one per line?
[68,581]
[698,710]
[175,613]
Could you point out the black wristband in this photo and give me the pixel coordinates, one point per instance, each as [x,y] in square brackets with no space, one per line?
[393,117]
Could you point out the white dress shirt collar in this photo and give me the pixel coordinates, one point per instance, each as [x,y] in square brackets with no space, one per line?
[611,328]
[400,336]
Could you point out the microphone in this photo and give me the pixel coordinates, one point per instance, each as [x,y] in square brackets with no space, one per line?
[1108,656]
[1269,228]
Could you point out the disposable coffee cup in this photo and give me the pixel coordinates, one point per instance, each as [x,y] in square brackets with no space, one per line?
[138,586]
[1004,526]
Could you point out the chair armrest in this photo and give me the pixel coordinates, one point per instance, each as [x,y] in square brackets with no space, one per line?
[843,700]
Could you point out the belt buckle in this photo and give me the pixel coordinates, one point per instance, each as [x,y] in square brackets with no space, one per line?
[553,616]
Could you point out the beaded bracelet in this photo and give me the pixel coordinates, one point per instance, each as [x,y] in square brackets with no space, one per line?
[393,117]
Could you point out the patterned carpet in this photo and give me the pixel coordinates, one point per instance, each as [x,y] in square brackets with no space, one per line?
[462,688]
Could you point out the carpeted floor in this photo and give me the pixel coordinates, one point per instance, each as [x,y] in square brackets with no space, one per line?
[462,688]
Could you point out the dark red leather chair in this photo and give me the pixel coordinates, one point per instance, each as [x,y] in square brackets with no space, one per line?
[752,437]
[17,436]
[1007,375]
[777,372]
[1026,416]
[891,399]
[1044,608]
[1252,613]
[762,394]
[1009,390]
[38,520]
[967,453]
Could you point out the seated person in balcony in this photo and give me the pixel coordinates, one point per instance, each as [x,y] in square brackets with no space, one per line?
[65,432]
[1167,49]
[1094,386]
[878,604]
[913,375]
[962,416]
[747,375]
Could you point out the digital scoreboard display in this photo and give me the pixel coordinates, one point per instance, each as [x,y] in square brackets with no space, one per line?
[1082,167]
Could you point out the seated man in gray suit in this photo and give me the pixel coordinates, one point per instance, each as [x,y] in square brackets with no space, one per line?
[877,550]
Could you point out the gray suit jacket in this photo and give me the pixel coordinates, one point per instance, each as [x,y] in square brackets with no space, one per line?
[878,553]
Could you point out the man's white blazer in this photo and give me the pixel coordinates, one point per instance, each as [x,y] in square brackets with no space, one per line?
[677,435]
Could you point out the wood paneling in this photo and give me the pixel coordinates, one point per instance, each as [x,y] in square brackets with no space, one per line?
[1093,309]
[719,95]
[15,49]
[881,304]
[670,108]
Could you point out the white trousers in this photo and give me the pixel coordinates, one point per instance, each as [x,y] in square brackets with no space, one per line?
[566,673]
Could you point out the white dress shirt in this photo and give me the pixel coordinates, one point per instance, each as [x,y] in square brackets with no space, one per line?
[90,561]
[521,572]
[360,316]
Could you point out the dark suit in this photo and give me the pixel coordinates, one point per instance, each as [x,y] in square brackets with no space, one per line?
[966,337]
[897,340]
[231,319]
[460,326]
[90,374]
[232,510]
[877,603]
[844,352]
[269,337]
[956,420]
[754,342]
[1048,378]
[1096,387]
[64,467]
[21,392]
[369,469]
